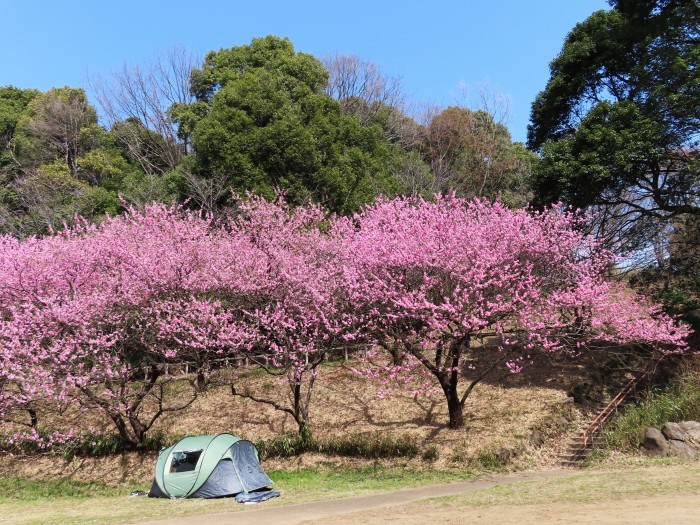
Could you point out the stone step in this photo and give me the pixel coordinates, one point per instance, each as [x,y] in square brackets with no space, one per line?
[577,453]
[570,464]
[581,443]
[572,461]
[585,442]
[573,458]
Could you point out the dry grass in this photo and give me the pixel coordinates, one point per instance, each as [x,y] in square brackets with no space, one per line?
[499,415]
[651,479]
[656,493]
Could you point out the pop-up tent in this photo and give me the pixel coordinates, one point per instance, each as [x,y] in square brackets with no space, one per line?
[208,467]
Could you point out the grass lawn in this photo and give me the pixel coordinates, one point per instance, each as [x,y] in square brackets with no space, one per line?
[71,502]
[658,492]
[651,478]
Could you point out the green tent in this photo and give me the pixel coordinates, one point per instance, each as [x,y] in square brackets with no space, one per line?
[208,467]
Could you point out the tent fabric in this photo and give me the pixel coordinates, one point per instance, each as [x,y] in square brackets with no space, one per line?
[256,497]
[208,467]
[251,474]
[223,481]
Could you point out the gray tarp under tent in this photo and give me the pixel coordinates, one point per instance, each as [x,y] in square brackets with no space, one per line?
[210,467]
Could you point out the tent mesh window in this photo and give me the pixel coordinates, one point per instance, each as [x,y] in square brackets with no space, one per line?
[184,460]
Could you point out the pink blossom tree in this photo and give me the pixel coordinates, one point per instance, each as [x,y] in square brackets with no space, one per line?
[92,316]
[296,317]
[95,314]
[428,279]
[37,277]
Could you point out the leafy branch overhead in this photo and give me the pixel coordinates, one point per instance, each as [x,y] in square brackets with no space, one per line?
[617,123]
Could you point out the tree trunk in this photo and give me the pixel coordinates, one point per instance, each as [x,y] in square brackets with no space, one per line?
[447,374]
[454,406]
[303,427]
[299,410]
[33,419]
[201,381]
[450,380]
[396,354]
[139,430]
[124,433]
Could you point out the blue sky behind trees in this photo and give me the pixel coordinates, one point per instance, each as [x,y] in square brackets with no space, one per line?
[435,47]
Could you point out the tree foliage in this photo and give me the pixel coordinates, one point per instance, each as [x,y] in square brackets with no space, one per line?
[473,155]
[58,125]
[262,119]
[617,124]
[13,103]
[51,165]
[58,162]
[93,316]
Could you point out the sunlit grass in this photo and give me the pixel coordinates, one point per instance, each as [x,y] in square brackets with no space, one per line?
[680,401]
[71,502]
[587,487]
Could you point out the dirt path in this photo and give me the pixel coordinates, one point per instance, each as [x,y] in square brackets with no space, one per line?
[655,510]
[379,506]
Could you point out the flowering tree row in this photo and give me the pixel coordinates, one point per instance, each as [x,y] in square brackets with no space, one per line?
[427,279]
[91,311]
[87,310]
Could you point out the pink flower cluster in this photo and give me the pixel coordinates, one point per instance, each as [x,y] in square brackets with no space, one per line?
[428,279]
[85,311]
[43,443]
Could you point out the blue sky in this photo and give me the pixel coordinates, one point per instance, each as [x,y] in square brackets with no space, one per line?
[435,47]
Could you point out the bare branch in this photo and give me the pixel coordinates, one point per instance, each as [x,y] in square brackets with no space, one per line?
[135,101]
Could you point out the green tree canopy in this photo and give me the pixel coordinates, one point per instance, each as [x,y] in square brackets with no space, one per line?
[263,120]
[58,124]
[56,161]
[617,124]
[13,103]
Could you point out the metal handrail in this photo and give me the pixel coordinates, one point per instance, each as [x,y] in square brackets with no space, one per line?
[606,414]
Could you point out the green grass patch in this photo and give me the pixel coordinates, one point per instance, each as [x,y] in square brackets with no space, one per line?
[17,489]
[361,480]
[72,503]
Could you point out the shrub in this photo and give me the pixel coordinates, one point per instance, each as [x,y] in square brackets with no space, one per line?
[678,402]
[492,459]
[430,453]
[287,445]
[88,444]
[370,446]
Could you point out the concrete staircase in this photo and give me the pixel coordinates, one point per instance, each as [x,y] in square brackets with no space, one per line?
[581,445]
